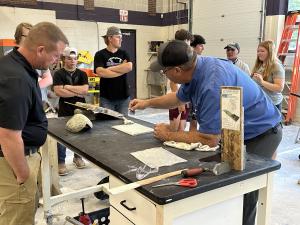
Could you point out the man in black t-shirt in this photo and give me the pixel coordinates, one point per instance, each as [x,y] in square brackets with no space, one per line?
[112,64]
[71,85]
[23,123]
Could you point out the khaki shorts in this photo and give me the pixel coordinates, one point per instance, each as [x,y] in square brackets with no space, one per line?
[17,202]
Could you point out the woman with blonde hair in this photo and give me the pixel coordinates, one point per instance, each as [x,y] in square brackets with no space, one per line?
[269,73]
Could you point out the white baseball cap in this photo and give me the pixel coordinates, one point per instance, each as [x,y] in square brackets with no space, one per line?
[69,51]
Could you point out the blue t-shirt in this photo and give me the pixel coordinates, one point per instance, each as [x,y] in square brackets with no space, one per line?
[204,93]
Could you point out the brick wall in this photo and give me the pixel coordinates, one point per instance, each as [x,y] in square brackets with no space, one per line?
[19,2]
[152,7]
[89,4]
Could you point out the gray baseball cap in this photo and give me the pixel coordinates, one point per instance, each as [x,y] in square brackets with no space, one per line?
[112,31]
[233,45]
[171,54]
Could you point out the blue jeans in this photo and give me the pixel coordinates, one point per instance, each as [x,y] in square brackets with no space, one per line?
[61,153]
[120,106]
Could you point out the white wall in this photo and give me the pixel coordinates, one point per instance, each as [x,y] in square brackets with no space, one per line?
[81,34]
[10,17]
[220,23]
[273,28]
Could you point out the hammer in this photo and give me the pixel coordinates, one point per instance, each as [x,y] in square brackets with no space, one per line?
[214,167]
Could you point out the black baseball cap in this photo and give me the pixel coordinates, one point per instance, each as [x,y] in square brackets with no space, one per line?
[173,53]
[233,45]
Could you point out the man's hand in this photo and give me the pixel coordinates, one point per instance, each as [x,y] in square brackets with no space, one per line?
[162,131]
[12,147]
[181,108]
[138,104]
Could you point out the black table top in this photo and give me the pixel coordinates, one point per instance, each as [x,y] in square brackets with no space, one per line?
[110,149]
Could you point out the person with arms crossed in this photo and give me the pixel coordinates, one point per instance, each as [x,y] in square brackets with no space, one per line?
[112,64]
[71,85]
[201,79]
[23,124]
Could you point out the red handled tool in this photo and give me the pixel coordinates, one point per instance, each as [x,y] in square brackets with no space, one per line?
[192,172]
[188,182]
[83,217]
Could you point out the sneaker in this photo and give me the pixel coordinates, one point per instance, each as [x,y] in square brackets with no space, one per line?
[62,169]
[79,163]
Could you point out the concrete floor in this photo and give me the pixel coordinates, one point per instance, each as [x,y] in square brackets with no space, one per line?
[286,191]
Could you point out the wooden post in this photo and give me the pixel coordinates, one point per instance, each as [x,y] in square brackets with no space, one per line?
[50,154]
[232,126]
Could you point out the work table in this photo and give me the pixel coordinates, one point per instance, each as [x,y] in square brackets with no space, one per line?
[110,149]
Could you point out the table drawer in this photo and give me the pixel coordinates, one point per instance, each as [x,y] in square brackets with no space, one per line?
[117,218]
[133,205]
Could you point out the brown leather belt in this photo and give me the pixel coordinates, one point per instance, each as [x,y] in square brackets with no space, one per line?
[27,151]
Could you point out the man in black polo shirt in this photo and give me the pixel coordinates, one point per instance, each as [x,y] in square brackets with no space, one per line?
[71,85]
[23,124]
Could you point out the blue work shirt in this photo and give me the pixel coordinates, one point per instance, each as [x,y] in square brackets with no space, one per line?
[204,90]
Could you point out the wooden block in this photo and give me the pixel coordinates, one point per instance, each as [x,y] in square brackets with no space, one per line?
[232,125]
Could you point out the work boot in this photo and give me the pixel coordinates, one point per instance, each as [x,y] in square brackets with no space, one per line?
[62,169]
[78,162]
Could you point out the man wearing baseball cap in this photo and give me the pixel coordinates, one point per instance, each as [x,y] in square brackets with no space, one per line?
[201,79]
[232,51]
[71,85]
[112,64]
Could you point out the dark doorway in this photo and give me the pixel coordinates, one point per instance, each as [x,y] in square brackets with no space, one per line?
[129,45]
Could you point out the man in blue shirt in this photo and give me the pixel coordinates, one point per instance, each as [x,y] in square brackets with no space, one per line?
[201,79]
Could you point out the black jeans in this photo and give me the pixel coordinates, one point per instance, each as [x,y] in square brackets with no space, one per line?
[263,145]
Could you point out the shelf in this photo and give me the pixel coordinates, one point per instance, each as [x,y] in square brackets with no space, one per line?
[151,55]
[93,91]
[94,79]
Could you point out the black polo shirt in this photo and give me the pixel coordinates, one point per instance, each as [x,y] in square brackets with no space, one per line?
[20,99]
[64,77]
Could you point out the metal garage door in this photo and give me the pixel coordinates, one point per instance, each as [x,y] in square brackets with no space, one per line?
[223,21]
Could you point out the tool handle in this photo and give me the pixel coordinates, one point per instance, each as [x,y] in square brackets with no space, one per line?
[192,172]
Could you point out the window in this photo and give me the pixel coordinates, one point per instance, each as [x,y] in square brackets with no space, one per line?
[294,5]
